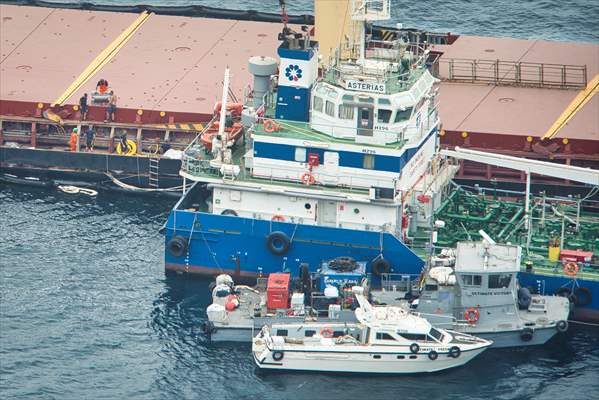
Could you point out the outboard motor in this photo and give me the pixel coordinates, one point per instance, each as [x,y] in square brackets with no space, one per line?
[524,298]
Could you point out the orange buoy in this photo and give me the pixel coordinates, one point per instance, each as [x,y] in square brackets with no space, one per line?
[269,126]
[472,314]
[571,268]
[279,218]
[307,178]
[326,333]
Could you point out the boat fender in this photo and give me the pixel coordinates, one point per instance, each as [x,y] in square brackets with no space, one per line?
[455,352]
[278,355]
[526,334]
[432,355]
[561,326]
[472,314]
[414,348]
[208,327]
[583,296]
[269,126]
[228,211]
[571,269]
[524,298]
[177,246]
[380,267]
[278,218]
[307,178]
[567,292]
[278,243]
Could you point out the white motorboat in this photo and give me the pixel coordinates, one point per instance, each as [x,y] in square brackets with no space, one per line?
[385,340]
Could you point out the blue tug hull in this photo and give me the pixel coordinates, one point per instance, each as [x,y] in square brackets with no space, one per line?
[238,246]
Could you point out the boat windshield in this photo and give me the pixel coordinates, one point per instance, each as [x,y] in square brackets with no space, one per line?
[436,334]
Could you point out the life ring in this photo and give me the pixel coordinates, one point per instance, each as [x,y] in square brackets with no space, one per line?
[380,267]
[454,352]
[472,314]
[583,296]
[561,326]
[131,148]
[277,355]
[269,126]
[526,334]
[177,246]
[307,178]
[326,333]
[278,243]
[432,355]
[571,268]
[277,217]
[228,211]
[414,348]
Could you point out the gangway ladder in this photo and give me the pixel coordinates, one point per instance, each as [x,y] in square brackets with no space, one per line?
[154,170]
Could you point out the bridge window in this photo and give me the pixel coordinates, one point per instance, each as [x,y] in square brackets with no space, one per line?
[309,333]
[317,104]
[330,108]
[382,100]
[348,97]
[300,154]
[472,280]
[413,336]
[384,116]
[346,112]
[282,332]
[436,334]
[403,115]
[500,281]
[368,161]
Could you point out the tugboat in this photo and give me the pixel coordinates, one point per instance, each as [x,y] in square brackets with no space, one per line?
[331,163]
[386,340]
[477,293]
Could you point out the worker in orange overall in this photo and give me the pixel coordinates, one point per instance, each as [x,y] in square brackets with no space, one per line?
[73,139]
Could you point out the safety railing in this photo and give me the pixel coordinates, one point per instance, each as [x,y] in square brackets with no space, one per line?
[497,72]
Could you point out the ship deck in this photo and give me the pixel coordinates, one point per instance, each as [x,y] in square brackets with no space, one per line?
[175,65]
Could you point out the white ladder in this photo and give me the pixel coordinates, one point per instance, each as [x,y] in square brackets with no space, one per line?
[154,168]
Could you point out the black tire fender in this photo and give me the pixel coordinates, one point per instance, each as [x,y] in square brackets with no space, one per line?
[455,352]
[414,348]
[526,334]
[432,355]
[278,243]
[561,326]
[381,266]
[177,246]
[278,355]
[583,296]
[230,212]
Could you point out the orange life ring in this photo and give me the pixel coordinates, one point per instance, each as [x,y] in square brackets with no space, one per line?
[307,178]
[269,126]
[472,314]
[571,268]
[278,218]
[326,333]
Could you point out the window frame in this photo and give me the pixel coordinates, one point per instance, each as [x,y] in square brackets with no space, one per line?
[317,104]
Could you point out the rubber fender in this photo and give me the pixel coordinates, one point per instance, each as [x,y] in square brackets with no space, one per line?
[526,334]
[278,243]
[177,246]
[432,355]
[524,298]
[381,266]
[228,211]
[583,296]
[562,326]
[278,355]
[454,352]
[414,348]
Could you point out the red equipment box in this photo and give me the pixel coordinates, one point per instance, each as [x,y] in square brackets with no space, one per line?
[277,291]
[576,255]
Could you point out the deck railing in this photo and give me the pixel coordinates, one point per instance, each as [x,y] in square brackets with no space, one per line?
[513,73]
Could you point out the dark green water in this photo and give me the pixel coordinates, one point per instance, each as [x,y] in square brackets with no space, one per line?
[87,313]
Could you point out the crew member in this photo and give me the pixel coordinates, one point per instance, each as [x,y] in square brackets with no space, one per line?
[73,139]
[124,145]
[89,139]
[102,86]
[111,107]
[83,107]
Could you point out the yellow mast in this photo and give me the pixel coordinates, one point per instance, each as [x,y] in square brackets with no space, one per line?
[333,26]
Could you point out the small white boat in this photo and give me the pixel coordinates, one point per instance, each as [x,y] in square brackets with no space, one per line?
[77,190]
[386,340]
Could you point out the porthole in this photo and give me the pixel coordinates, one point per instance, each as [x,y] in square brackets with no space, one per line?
[356,211]
[307,206]
[377,356]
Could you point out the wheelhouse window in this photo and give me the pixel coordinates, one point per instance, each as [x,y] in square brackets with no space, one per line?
[383,100]
[282,332]
[403,115]
[384,336]
[472,280]
[346,111]
[317,106]
[384,116]
[436,334]
[330,108]
[300,154]
[500,281]
[413,336]
[368,161]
